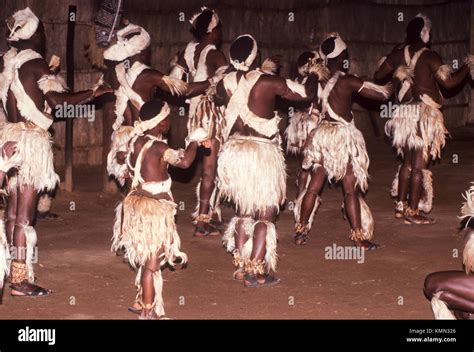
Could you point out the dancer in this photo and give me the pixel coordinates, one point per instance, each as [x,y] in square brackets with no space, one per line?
[148,226]
[336,149]
[417,124]
[452,292]
[201,61]
[304,117]
[251,166]
[26,84]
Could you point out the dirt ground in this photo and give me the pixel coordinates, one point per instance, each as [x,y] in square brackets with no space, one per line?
[89,282]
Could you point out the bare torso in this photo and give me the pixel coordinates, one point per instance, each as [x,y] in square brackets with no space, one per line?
[29,73]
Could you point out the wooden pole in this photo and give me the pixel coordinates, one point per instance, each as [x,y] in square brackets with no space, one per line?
[470,117]
[71,26]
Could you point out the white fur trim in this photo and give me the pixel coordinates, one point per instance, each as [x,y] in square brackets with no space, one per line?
[467,209]
[4,254]
[394,188]
[120,139]
[444,72]
[117,230]
[367,220]
[52,83]
[468,252]
[176,86]
[426,201]
[158,303]
[44,203]
[31,240]
[469,60]
[440,308]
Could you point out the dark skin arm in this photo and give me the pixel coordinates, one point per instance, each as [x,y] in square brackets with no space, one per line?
[197,88]
[221,97]
[454,80]
[393,60]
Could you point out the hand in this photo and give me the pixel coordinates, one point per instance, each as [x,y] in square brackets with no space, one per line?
[8,149]
[103,89]
[206,144]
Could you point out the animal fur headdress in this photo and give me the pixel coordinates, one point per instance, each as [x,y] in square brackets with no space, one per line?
[24,26]
[335,50]
[125,48]
[426,30]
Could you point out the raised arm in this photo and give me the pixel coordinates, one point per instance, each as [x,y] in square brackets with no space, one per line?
[444,74]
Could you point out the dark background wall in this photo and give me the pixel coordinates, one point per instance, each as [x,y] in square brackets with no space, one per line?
[286,27]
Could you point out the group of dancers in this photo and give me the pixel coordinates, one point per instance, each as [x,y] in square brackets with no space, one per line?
[233,116]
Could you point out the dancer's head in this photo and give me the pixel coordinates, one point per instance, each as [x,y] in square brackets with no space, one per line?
[419,30]
[25,31]
[155,114]
[244,54]
[333,51]
[206,25]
